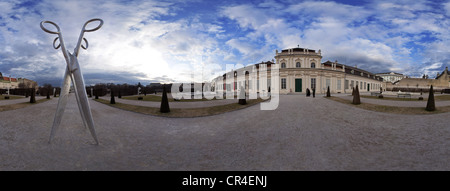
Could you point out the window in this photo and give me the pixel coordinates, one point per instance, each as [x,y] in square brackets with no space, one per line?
[327,83]
[283,83]
[235,85]
[352,84]
[268,83]
[360,85]
[339,84]
[298,65]
[313,65]
[357,84]
[283,65]
[365,85]
[346,84]
[313,83]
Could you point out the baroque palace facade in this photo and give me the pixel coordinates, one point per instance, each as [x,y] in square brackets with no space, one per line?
[300,69]
[13,83]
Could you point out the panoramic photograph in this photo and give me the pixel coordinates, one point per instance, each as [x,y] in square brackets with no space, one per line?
[198,85]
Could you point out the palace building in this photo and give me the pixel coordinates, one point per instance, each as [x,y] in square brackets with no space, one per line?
[13,83]
[301,69]
[392,77]
[441,82]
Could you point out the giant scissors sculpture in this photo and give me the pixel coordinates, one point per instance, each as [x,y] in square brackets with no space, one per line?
[73,73]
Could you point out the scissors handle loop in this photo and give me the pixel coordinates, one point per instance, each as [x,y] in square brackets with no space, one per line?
[49,31]
[59,45]
[94,29]
[87,44]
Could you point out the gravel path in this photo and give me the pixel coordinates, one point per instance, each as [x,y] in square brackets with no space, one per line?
[397,103]
[194,104]
[302,134]
[20,100]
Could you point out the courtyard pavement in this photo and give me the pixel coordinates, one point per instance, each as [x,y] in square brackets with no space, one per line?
[302,134]
[396,103]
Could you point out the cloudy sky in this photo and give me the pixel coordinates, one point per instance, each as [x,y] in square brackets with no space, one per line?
[172,41]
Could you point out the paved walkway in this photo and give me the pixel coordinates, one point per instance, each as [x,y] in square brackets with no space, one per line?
[193,104]
[20,100]
[302,134]
[396,103]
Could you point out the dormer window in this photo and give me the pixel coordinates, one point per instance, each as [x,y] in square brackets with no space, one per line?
[283,65]
[298,65]
[313,65]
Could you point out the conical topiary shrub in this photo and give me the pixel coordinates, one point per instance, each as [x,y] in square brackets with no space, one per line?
[54,93]
[308,93]
[96,93]
[314,92]
[48,93]
[164,102]
[430,103]
[32,95]
[328,92]
[120,95]
[242,97]
[356,98]
[113,100]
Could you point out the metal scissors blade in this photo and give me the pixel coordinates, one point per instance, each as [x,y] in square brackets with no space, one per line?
[83,102]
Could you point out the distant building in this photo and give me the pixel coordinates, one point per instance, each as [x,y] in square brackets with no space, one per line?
[391,77]
[8,82]
[13,83]
[26,83]
[442,81]
[301,69]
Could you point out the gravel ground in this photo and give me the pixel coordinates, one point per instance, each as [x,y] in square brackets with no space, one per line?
[302,134]
[194,104]
[396,103]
